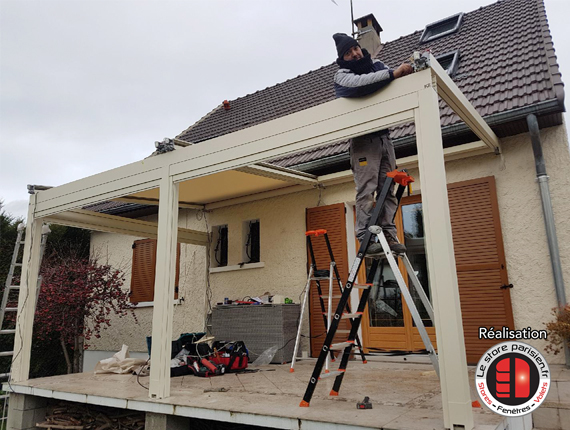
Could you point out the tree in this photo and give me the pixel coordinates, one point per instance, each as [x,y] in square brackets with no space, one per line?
[77,300]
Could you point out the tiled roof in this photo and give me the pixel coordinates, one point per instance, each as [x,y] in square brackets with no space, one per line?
[507,62]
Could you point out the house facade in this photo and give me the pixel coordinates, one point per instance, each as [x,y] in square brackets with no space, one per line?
[501,251]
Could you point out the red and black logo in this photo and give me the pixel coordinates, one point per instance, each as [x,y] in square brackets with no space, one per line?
[513,379]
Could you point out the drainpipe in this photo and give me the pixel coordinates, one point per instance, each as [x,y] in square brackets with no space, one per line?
[542,179]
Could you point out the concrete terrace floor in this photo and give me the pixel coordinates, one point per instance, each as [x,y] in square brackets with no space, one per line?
[404,396]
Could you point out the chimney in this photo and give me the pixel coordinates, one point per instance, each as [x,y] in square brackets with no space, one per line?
[368,35]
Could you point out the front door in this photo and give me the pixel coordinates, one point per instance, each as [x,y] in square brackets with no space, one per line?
[481,273]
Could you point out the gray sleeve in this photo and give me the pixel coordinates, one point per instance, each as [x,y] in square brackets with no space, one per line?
[346,78]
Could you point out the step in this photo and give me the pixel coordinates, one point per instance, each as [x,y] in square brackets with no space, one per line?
[323,278]
[6,353]
[342,332]
[14,287]
[326,296]
[11,310]
[352,315]
[18,264]
[341,345]
[8,331]
[362,286]
[333,373]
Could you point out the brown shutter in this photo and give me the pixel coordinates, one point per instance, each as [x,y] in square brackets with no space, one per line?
[480,260]
[332,219]
[143,272]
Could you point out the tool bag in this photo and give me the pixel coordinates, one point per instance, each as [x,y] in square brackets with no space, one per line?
[205,367]
[233,355]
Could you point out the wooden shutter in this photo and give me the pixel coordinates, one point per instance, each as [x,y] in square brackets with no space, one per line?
[332,219]
[143,272]
[480,261]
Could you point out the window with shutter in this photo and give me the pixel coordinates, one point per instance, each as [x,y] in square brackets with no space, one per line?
[143,271]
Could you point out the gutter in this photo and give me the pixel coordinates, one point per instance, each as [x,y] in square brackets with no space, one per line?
[542,179]
[542,108]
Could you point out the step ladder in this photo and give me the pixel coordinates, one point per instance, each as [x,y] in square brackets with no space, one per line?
[12,291]
[326,310]
[403,180]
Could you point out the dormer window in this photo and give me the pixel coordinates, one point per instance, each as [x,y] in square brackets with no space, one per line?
[449,61]
[441,28]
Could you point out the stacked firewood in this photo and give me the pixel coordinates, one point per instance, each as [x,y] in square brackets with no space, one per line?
[79,417]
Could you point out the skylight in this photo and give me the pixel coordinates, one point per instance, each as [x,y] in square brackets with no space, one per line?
[449,61]
[441,28]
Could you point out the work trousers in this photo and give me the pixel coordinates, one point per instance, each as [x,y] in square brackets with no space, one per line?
[371,158]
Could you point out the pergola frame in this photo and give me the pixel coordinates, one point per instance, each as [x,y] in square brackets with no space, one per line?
[413,98]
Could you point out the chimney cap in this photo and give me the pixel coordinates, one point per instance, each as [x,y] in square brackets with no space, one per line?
[362,22]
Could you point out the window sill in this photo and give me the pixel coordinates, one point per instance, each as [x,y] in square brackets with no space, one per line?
[151,304]
[237,267]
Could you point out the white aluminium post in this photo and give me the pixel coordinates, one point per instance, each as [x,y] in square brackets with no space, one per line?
[28,296]
[441,264]
[163,310]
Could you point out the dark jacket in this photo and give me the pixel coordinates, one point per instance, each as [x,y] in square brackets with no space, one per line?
[349,84]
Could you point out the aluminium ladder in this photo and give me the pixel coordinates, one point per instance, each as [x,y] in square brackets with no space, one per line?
[403,179]
[318,276]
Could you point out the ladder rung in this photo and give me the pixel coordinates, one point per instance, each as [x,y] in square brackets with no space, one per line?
[8,331]
[320,278]
[342,331]
[6,353]
[23,242]
[340,346]
[326,296]
[333,373]
[352,315]
[4,375]
[362,286]
[18,264]
[14,287]
[11,310]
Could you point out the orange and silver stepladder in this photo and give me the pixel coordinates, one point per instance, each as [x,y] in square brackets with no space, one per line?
[326,310]
[374,276]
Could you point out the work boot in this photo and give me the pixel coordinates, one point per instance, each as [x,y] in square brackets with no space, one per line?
[395,246]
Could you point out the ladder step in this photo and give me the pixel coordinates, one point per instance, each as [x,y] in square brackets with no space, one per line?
[6,353]
[11,310]
[352,315]
[326,296]
[341,345]
[333,373]
[320,278]
[362,286]
[14,287]
[8,331]
[18,264]
[343,331]
[4,375]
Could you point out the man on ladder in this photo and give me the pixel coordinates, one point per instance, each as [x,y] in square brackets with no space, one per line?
[371,156]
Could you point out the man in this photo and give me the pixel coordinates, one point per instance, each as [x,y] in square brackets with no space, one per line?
[371,156]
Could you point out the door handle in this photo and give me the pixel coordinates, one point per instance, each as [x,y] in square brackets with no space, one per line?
[504,287]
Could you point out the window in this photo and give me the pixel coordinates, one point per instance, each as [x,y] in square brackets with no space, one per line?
[220,243]
[441,28]
[144,270]
[449,62]
[251,250]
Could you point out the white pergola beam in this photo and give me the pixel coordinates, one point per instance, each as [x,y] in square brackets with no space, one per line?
[27,297]
[287,175]
[163,311]
[452,95]
[90,220]
[440,256]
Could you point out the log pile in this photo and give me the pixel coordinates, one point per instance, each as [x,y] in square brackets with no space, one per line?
[80,417]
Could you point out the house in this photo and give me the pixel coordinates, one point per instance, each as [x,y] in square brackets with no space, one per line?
[502,259]
[494,203]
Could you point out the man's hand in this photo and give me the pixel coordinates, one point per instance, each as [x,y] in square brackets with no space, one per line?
[403,70]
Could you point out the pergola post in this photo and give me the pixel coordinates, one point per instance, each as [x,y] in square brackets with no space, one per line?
[27,297]
[441,264]
[164,288]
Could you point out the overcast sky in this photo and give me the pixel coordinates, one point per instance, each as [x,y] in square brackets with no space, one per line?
[86,86]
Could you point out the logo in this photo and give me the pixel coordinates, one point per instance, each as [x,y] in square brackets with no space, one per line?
[512,378]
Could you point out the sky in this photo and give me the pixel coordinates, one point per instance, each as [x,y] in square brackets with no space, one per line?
[90,85]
